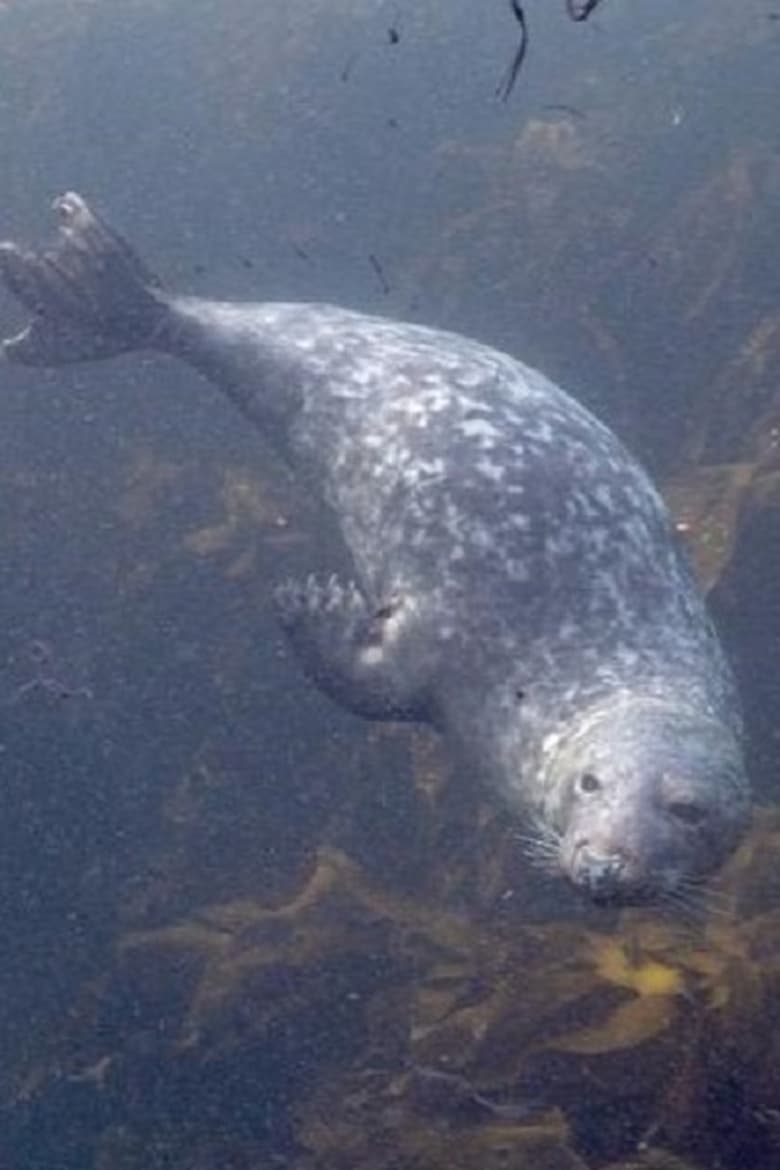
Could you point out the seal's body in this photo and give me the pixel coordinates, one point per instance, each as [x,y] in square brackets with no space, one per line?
[516,577]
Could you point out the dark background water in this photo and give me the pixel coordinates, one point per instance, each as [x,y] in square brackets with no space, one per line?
[614,221]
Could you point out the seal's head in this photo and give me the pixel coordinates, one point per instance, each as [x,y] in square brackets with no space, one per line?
[644,800]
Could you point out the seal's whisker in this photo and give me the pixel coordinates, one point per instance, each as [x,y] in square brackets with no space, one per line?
[538,844]
[529,839]
[542,859]
[713,895]
[539,857]
[537,830]
[549,866]
[682,900]
[544,831]
[711,903]
[544,855]
[541,845]
[683,911]
[691,900]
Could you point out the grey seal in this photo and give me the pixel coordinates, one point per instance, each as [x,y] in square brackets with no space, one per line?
[515,578]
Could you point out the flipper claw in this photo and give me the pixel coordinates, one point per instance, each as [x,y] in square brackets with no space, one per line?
[343,646]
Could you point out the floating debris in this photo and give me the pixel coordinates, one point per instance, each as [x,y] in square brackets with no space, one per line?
[578,10]
[349,65]
[377,267]
[505,87]
[41,656]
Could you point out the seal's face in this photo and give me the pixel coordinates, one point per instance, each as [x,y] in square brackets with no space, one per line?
[647,803]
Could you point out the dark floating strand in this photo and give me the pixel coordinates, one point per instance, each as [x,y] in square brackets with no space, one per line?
[394,29]
[349,65]
[578,10]
[562,108]
[377,267]
[507,84]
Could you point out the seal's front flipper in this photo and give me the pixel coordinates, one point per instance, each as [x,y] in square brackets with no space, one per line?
[356,655]
[90,295]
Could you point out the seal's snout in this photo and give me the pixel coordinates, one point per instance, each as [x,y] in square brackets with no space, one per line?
[603,876]
[652,797]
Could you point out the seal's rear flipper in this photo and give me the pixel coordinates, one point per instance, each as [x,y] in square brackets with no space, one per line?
[90,295]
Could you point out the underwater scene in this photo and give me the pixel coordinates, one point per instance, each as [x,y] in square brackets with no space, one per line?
[295,735]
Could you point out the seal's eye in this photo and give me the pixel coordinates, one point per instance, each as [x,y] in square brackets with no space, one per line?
[687,812]
[588,783]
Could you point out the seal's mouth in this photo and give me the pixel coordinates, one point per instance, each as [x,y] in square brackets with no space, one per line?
[619,898]
[609,878]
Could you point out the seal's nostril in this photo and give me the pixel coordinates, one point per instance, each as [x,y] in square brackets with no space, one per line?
[602,873]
